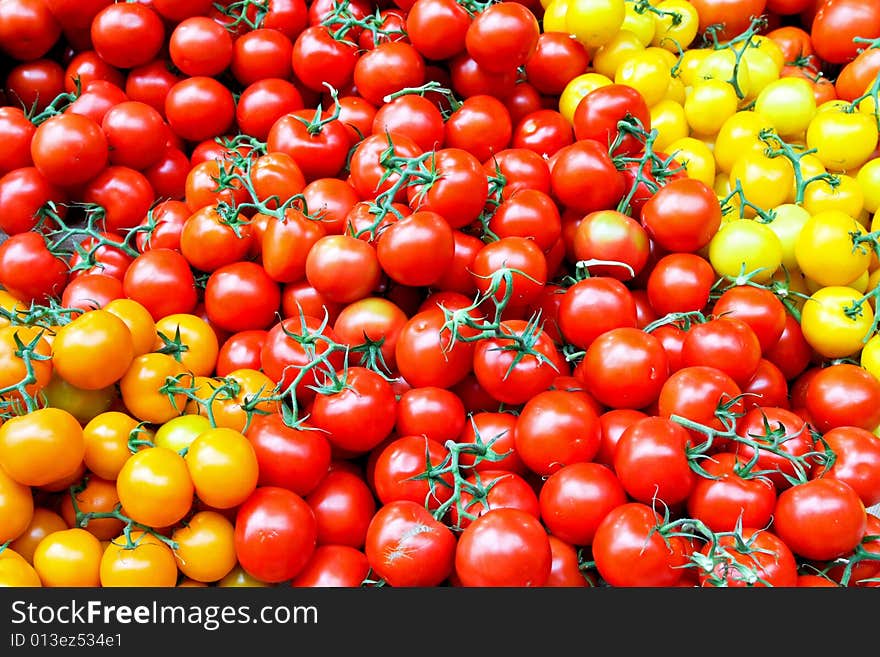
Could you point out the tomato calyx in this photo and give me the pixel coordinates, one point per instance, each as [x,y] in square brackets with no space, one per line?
[471,486]
[318,121]
[854,310]
[342,22]
[648,170]
[130,525]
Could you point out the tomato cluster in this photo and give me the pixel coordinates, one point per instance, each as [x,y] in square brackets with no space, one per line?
[439,293]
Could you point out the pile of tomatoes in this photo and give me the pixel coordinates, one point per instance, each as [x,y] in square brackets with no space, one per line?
[439,293]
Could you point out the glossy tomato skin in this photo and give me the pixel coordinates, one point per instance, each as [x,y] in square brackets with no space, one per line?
[836,24]
[857,461]
[696,393]
[682,216]
[333,566]
[757,307]
[680,282]
[28,270]
[504,490]
[241,296]
[275,534]
[624,368]
[730,496]
[629,552]
[584,178]
[575,499]
[505,547]
[726,343]
[557,428]
[598,112]
[820,519]
[69,149]
[343,505]
[592,307]
[844,395]
[162,282]
[405,528]
[295,459]
[651,461]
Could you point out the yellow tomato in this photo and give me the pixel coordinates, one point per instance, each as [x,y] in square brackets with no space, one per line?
[106,441]
[16,572]
[143,383]
[676,90]
[554,16]
[190,339]
[223,467]
[16,508]
[762,70]
[82,404]
[870,356]
[868,178]
[578,88]
[721,187]
[765,181]
[708,105]
[149,563]
[43,523]
[155,487]
[41,447]
[833,325]
[646,72]
[239,578]
[743,246]
[178,433]
[69,558]
[768,46]
[845,196]
[689,66]
[676,25]
[8,305]
[640,24]
[205,547]
[825,249]
[810,167]
[695,157]
[139,322]
[722,65]
[609,57]
[788,104]
[668,119]
[738,135]
[843,140]
[595,22]
[93,351]
[788,221]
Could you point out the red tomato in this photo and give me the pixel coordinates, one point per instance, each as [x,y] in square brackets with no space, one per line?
[682,216]
[837,23]
[592,307]
[505,547]
[343,505]
[29,271]
[127,35]
[433,412]
[821,519]
[575,499]
[731,494]
[69,149]
[275,534]
[502,37]
[406,546]
[624,368]
[857,461]
[725,343]
[557,428]
[584,178]
[333,566]
[293,458]
[162,282]
[629,551]
[493,489]
[844,395]
[679,283]
[398,466]
[598,113]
